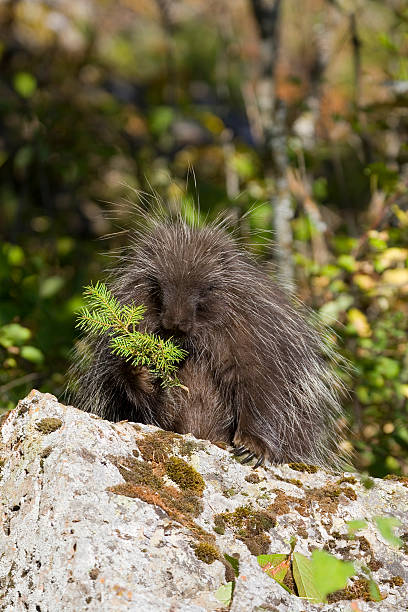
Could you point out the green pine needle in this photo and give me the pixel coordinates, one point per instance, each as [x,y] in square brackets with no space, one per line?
[105,315]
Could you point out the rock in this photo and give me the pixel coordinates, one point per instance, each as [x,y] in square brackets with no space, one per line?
[102,516]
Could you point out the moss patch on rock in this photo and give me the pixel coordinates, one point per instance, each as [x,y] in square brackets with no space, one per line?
[303,467]
[189,447]
[395,581]
[157,446]
[145,480]
[348,479]
[249,526]
[253,478]
[206,552]
[402,479]
[360,589]
[327,499]
[47,426]
[184,475]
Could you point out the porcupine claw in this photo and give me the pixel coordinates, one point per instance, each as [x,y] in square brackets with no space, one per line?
[241,450]
[259,462]
[249,458]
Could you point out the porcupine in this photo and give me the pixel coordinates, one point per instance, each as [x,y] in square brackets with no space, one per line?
[255,370]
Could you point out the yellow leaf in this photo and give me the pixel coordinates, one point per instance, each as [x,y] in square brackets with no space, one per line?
[404,390]
[378,235]
[363,281]
[392,256]
[397,277]
[213,123]
[359,321]
[402,215]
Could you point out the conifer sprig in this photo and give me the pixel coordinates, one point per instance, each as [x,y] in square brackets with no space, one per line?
[105,315]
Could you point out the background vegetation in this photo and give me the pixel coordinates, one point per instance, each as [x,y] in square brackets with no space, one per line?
[294,120]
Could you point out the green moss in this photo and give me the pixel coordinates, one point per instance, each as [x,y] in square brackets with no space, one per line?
[293,481]
[47,426]
[253,478]
[184,475]
[189,447]
[206,552]
[402,479]
[137,472]
[303,467]
[248,525]
[360,589]
[349,492]
[397,581]
[44,454]
[156,446]
[374,564]
[349,479]
[188,504]
[296,482]
[229,492]
[258,544]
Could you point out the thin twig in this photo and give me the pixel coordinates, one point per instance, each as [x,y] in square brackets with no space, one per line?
[19,381]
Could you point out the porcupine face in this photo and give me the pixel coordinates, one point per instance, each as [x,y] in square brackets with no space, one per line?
[189,275]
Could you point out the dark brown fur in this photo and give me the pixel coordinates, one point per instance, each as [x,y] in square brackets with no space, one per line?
[255,370]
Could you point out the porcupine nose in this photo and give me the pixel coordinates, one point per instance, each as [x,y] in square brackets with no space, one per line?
[176,323]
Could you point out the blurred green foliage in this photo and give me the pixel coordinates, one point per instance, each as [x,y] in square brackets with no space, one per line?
[100,99]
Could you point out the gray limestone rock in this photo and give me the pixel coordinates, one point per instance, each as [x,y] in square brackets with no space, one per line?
[102,516]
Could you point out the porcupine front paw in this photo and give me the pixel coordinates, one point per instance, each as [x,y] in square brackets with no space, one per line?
[253,448]
[144,379]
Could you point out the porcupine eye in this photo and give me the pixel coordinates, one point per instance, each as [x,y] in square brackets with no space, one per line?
[204,299]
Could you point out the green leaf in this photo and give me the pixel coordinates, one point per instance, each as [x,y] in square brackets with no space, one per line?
[320,188]
[25,84]
[390,368]
[347,262]
[374,590]
[331,311]
[385,525]
[275,566]
[328,573]
[244,165]
[33,354]
[50,286]
[224,594]
[304,578]
[23,157]
[344,244]
[15,255]
[354,526]
[260,216]
[233,561]
[161,119]
[14,334]
[303,229]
